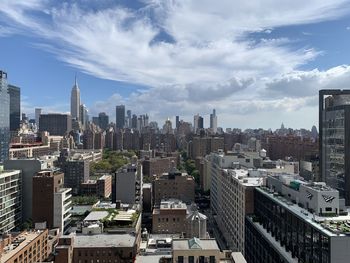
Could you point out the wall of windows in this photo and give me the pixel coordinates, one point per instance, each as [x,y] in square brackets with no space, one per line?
[295,235]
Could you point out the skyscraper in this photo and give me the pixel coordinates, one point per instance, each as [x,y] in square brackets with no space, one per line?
[177,122]
[195,123]
[38,112]
[103,120]
[56,124]
[214,121]
[75,101]
[120,116]
[84,117]
[4,117]
[334,131]
[128,114]
[200,122]
[15,107]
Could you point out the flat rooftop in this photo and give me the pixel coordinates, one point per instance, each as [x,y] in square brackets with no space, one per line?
[22,240]
[203,244]
[243,176]
[104,240]
[96,215]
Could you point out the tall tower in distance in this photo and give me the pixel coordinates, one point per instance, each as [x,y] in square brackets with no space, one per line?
[214,121]
[38,112]
[15,107]
[75,101]
[120,116]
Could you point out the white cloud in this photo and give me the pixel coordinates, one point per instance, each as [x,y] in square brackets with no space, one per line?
[207,62]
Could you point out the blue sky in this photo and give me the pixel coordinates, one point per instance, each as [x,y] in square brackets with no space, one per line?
[258,65]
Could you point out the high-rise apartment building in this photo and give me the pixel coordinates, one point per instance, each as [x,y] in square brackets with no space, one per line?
[334,129]
[51,201]
[10,200]
[15,107]
[232,197]
[38,112]
[75,101]
[214,121]
[128,184]
[29,168]
[55,123]
[4,117]
[120,116]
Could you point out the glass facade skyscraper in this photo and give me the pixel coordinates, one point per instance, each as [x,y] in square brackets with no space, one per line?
[334,121]
[15,107]
[4,117]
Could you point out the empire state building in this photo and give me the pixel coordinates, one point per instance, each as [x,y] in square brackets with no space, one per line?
[75,101]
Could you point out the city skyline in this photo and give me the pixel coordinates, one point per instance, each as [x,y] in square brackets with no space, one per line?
[167,65]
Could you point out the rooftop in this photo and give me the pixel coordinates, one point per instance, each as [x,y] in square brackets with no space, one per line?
[244,177]
[104,240]
[331,226]
[172,204]
[20,242]
[195,243]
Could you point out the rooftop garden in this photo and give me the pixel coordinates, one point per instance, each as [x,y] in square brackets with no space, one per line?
[118,218]
[111,161]
[339,227]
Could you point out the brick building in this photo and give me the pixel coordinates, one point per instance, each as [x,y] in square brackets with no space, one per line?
[27,247]
[174,185]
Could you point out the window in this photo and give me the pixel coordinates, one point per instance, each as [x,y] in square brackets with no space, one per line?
[191,259]
[180,259]
[212,259]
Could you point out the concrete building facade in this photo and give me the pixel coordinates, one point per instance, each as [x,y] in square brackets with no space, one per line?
[29,168]
[128,184]
[11,200]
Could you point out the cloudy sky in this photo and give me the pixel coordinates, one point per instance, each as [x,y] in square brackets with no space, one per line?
[258,63]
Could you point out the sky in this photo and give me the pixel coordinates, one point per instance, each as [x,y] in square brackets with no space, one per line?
[258,63]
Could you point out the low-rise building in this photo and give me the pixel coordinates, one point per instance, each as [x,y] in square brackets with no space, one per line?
[175,217]
[97,248]
[27,247]
[201,250]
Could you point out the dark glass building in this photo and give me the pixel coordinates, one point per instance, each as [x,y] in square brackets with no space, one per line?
[103,120]
[4,117]
[55,123]
[334,142]
[281,231]
[15,107]
[120,116]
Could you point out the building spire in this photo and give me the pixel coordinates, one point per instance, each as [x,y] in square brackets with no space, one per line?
[75,80]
